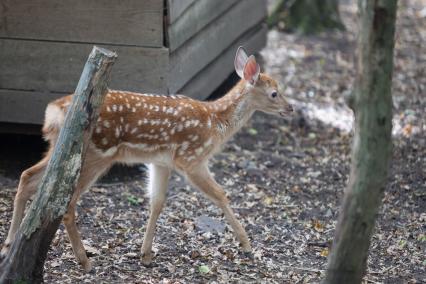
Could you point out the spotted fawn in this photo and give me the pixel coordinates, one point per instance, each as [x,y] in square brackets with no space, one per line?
[171,132]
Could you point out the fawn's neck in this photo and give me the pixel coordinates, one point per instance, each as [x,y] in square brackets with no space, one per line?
[233,110]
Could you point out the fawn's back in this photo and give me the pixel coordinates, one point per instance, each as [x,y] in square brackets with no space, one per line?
[135,128]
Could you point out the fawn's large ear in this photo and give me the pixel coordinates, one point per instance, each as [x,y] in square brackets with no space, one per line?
[251,70]
[240,61]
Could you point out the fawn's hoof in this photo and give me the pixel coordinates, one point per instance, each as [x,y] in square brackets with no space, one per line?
[87,266]
[246,248]
[4,250]
[147,259]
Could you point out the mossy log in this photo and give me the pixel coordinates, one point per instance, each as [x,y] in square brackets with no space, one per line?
[25,260]
[371,152]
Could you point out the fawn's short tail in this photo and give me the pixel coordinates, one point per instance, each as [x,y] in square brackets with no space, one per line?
[54,118]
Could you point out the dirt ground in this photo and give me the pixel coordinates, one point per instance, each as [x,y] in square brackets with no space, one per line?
[285,179]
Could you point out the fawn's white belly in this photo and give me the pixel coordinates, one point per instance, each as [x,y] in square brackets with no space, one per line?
[139,153]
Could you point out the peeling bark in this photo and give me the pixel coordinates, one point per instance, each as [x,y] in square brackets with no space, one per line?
[25,260]
[371,152]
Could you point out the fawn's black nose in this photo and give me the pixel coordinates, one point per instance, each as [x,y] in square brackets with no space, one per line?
[290,108]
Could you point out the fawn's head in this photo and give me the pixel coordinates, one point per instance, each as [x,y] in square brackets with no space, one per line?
[265,94]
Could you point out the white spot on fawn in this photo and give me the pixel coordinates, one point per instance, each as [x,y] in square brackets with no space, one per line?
[208,142]
[199,150]
[185,145]
[190,158]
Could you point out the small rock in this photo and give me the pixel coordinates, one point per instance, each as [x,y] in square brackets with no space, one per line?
[209,225]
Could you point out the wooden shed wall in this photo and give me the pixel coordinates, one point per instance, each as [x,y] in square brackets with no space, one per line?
[212,76]
[204,34]
[124,22]
[191,52]
[44,44]
[56,66]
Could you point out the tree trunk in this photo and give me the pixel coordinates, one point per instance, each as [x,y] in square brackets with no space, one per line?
[307,16]
[371,151]
[25,260]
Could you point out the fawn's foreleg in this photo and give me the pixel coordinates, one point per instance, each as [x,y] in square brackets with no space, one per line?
[203,180]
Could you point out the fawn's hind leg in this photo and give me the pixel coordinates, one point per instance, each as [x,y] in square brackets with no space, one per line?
[92,169]
[28,183]
[158,182]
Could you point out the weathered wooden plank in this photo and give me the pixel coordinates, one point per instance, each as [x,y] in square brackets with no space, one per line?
[129,22]
[56,66]
[25,260]
[177,7]
[195,18]
[204,47]
[24,106]
[208,79]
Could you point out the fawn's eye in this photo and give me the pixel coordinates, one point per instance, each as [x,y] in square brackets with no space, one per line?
[273,95]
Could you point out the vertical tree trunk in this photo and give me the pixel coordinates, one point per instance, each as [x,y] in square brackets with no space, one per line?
[307,16]
[25,260]
[371,151]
